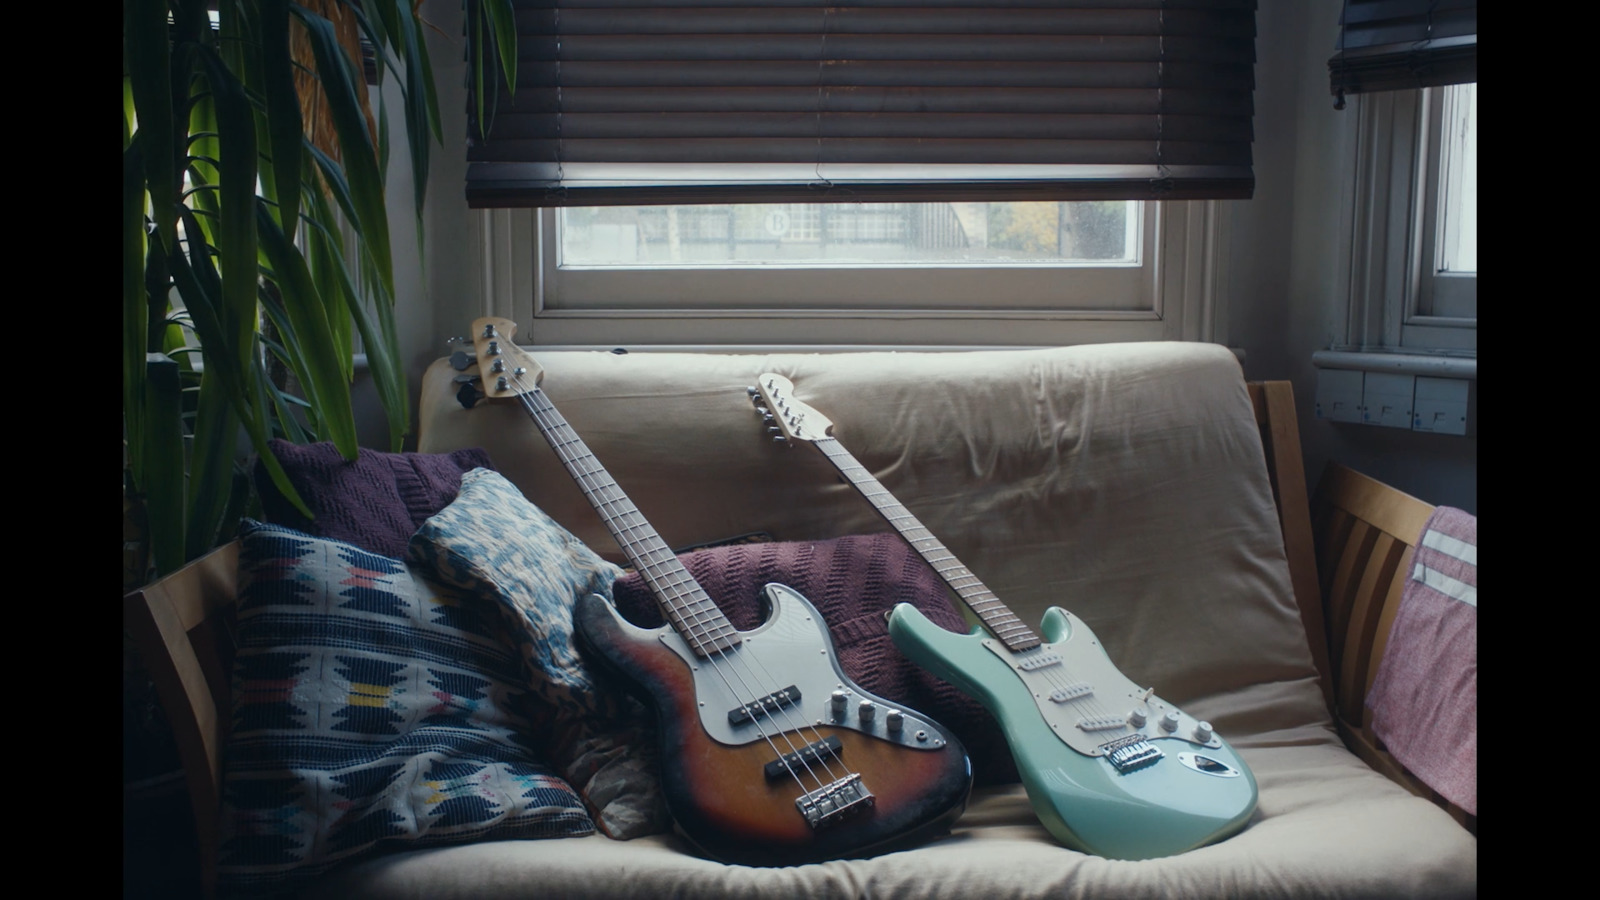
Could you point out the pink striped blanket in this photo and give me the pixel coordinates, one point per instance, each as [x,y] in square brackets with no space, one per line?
[1424,699]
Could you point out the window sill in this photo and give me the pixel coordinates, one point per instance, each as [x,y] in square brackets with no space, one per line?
[1399,363]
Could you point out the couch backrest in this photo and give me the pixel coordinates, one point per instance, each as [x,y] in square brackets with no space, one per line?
[1124,482]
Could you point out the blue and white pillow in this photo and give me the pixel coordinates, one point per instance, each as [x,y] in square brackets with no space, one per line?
[492,542]
[372,708]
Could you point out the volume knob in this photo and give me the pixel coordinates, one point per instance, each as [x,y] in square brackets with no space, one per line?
[1137,718]
[867,710]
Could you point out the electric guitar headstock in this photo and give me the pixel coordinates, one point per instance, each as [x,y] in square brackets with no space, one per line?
[503,369]
[788,420]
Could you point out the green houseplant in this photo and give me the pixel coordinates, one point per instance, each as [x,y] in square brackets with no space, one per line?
[256,239]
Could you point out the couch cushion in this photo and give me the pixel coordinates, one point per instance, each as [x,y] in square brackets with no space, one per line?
[370,707]
[1327,827]
[492,542]
[375,502]
[852,581]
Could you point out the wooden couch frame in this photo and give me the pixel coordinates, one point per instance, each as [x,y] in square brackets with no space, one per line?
[182,624]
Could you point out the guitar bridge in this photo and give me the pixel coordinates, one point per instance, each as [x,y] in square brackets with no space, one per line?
[835,803]
[1128,753]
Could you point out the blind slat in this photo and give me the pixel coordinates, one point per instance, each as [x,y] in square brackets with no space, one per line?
[1108,95]
[1386,45]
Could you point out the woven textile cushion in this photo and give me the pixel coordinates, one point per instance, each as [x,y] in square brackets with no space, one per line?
[376,502]
[495,544]
[852,581]
[371,707]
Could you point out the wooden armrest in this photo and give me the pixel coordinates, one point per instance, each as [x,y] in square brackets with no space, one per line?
[1280,438]
[1366,533]
[182,627]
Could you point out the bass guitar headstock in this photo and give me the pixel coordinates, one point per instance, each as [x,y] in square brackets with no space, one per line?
[787,419]
[503,369]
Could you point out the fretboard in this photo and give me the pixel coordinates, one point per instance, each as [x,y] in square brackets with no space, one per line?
[999,619]
[684,603]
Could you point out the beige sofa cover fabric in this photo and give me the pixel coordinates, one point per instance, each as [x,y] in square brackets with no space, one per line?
[1124,482]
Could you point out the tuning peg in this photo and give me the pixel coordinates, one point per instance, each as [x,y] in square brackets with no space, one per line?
[467,378]
[773,429]
[461,360]
[779,439]
[468,396]
[763,412]
[752,391]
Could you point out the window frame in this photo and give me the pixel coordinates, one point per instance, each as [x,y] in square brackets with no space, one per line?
[1179,298]
[1392,293]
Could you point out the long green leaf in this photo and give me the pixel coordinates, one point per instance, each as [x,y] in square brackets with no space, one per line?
[211,459]
[147,54]
[248,399]
[164,482]
[135,309]
[283,112]
[503,26]
[381,344]
[325,384]
[355,142]
[236,224]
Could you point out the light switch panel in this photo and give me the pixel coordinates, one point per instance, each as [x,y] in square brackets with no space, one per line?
[1386,399]
[1339,395]
[1445,406]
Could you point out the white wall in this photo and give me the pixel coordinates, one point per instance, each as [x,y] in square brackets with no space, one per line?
[1291,260]
[1287,264]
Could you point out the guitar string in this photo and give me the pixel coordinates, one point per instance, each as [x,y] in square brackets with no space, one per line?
[1059,679]
[832,448]
[674,598]
[557,421]
[1062,679]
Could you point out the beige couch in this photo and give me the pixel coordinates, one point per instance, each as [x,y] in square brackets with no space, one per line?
[1127,483]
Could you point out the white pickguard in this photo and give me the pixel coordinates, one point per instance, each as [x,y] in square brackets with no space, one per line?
[1087,701]
[791,648]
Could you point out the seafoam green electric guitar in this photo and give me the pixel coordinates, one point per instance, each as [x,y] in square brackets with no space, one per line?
[1110,768]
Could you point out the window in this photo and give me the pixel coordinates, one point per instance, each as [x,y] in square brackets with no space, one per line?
[1414,242]
[903,274]
[1448,256]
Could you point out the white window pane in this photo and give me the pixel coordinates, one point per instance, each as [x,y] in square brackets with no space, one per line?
[1458,195]
[1096,233]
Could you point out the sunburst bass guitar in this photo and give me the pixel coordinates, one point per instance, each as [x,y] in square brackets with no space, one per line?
[770,753]
[1110,768]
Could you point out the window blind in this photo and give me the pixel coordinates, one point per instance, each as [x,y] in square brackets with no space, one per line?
[1388,45]
[706,101]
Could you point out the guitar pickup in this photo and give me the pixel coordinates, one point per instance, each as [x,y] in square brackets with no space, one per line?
[1102,723]
[1038,661]
[1072,692]
[791,762]
[1131,752]
[765,706]
[835,803]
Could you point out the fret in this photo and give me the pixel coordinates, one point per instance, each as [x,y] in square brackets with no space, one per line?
[684,603]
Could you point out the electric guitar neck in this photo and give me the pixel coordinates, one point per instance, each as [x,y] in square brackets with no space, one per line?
[1110,768]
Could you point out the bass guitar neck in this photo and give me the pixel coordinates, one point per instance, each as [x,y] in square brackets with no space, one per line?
[770,753]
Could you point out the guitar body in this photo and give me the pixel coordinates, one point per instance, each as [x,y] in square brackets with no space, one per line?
[715,771]
[1195,793]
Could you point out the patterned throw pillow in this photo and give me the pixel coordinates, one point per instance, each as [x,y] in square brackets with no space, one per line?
[491,541]
[371,708]
[852,581]
[375,502]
